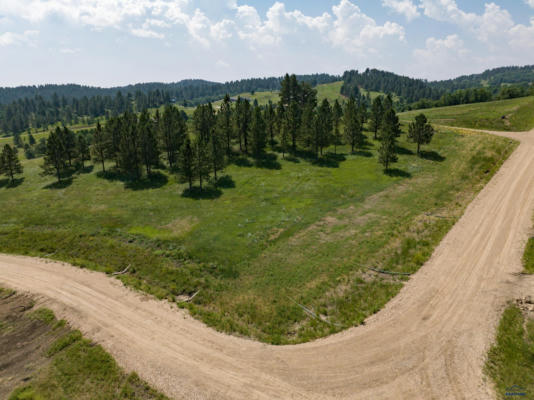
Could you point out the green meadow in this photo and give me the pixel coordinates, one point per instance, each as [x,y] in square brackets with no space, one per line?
[273,242]
[503,115]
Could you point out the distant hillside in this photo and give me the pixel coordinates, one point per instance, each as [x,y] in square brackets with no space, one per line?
[412,90]
[490,78]
[192,90]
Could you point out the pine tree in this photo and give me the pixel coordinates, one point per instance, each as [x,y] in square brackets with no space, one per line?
[387,152]
[258,133]
[9,163]
[285,137]
[82,150]
[225,122]
[308,134]
[337,114]
[55,159]
[186,162]
[353,127]
[101,146]
[243,116]
[129,147]
[377,112]
[270,121]
[420,132]
[293,123]
[172,130]
[391,119]
[148,142]
[217,151]
[17,141]
[69,142]
[31,139]
[324,126]
[202,162]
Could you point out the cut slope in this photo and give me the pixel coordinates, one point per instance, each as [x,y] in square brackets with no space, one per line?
[429,342]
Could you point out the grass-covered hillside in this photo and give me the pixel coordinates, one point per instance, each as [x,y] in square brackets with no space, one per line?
[503,115]
[275,240]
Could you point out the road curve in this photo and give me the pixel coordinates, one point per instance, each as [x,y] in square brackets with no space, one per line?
[429,342]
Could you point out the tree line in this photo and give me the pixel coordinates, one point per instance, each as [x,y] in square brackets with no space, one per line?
[198,150]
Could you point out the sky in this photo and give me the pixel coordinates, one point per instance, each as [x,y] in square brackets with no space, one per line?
[117,42]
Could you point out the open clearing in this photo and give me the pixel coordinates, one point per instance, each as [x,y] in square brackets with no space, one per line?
[501,115]
[428,342]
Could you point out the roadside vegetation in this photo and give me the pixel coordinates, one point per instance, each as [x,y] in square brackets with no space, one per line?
[48,360]
[528,257]
[511,359]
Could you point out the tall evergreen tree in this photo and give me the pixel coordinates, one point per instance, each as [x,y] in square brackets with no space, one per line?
[308,135]
[420,132]
[258,132]
[323,126]
[293,121]
[17,141]
[337,114]
[172,130]
[202,161]
[31,139]
[387,152]
[129,148]
[270,121]
[9,163]
[186,162]
[285,137]
[82,150]
[353,126]
[101,146]
[69,142]
[148,142]
[242,120]
[225,122]
[55,159]
[377,113]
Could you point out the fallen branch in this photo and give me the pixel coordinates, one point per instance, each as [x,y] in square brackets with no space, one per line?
[311,313]
[192,297]
[123,271]
[381,271]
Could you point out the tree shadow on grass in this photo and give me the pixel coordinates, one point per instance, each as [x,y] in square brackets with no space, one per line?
[404,151]
[207,193]
[397,173]
[6,183]
[87,169]
[268,161]
[225,182]
[363,153]
[329,160]
[63,184]
[290,158]
[432,156]
[153,181]
[242,161]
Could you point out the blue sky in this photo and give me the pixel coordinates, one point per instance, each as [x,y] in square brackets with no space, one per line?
[115,42]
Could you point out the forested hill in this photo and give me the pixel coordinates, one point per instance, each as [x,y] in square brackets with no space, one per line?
[489,78]
[411,90]
[192,91]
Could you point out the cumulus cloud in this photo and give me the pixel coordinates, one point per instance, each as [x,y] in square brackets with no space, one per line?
[403,7]
[439,54]
[346,26]
[530,3]
[354,30]
[12,38]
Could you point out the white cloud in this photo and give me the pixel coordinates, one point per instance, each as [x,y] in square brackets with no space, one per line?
[438,56]
[353,30]
[146,33]
[530,3]
[522,37]
[403,7]
[11,38]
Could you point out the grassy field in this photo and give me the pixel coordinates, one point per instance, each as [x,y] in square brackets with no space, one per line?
[56,362]
[511,359]
[518,115]
[274,238]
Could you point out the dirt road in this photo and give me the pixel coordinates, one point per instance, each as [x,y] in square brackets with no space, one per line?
[427,343]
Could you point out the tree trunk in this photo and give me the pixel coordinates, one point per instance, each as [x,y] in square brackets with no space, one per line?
[103,166]
[418,149]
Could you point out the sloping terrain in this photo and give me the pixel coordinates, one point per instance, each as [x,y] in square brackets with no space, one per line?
[429,342]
